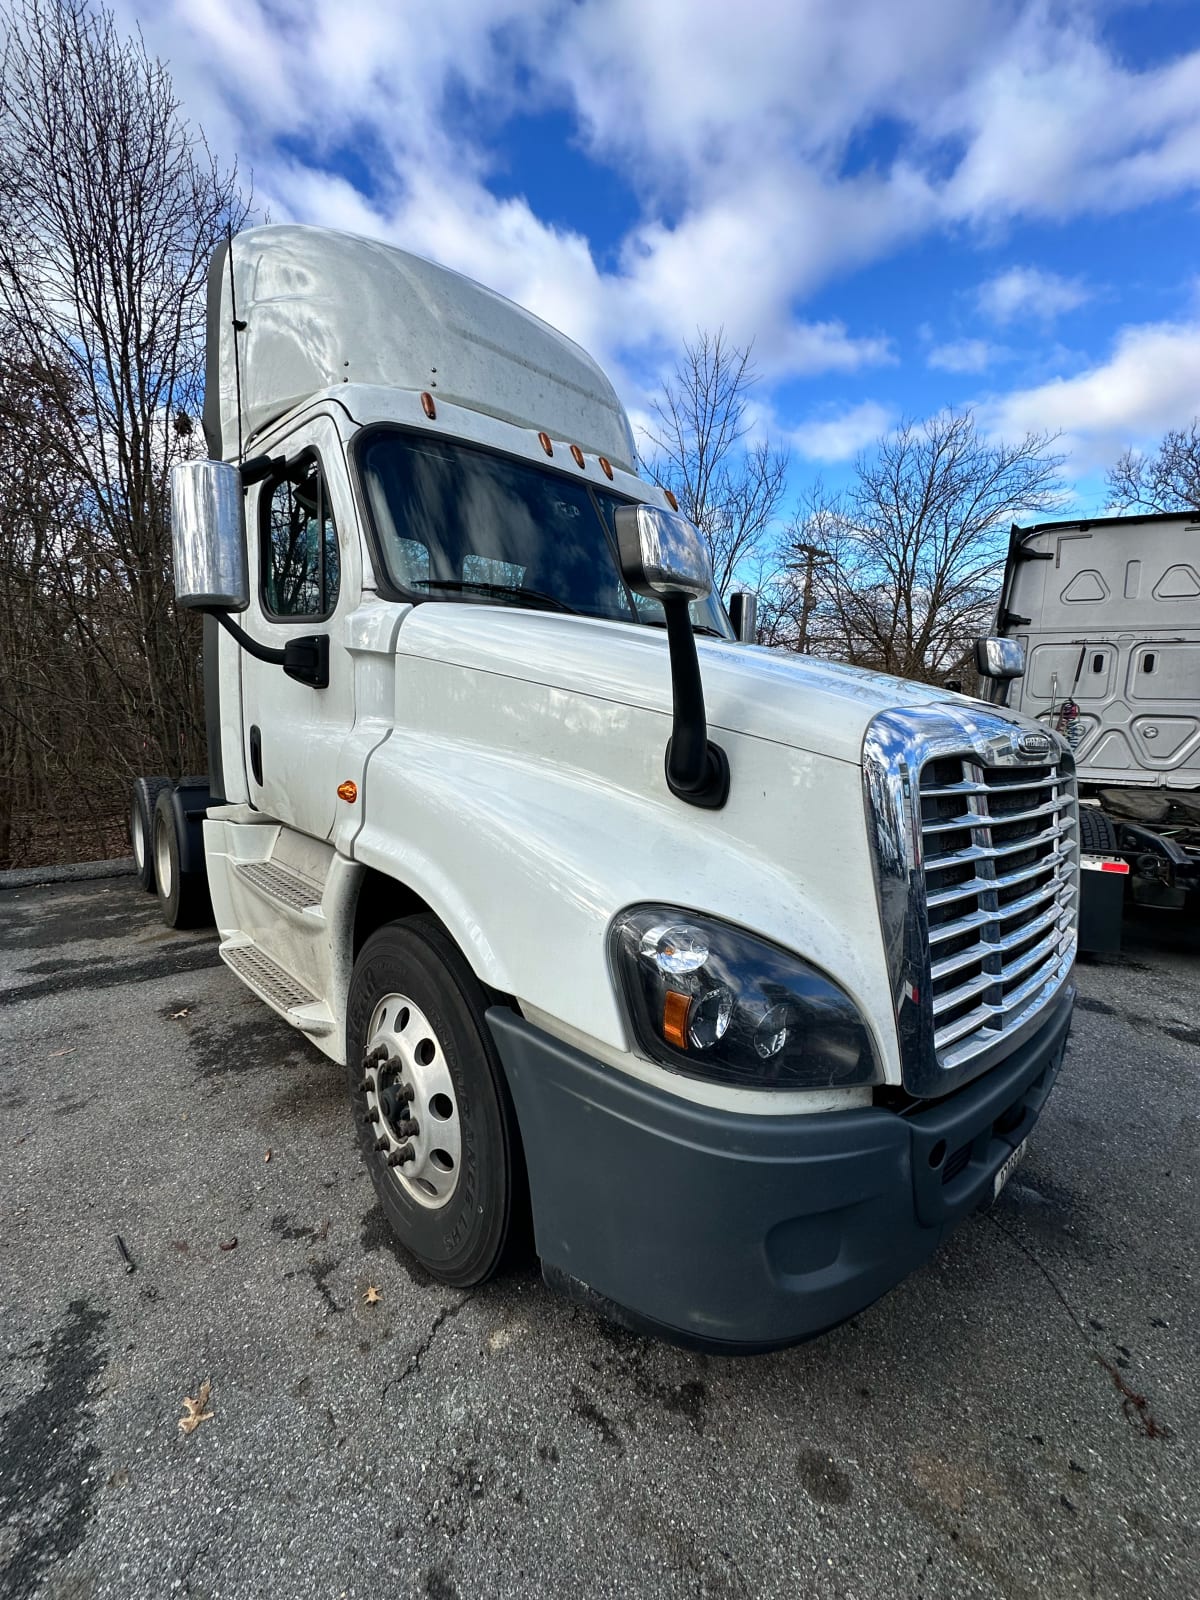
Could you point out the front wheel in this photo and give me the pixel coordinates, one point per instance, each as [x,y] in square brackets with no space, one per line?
[433,1117]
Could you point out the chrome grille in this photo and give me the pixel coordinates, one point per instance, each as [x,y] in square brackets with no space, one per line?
[998,856]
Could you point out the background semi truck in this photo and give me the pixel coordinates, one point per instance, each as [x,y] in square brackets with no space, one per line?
[740,976]
[1107,612]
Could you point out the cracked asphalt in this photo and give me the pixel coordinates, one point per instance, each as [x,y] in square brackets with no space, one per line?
[1019,1418]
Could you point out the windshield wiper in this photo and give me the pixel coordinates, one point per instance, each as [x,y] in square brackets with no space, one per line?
[465,585]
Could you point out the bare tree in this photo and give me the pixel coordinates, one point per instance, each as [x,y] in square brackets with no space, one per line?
[110,207]
[792,605]
[729,489]
[1168,480]
[109,210]
[901,571]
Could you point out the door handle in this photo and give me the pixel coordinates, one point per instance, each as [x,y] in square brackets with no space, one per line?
[256,754]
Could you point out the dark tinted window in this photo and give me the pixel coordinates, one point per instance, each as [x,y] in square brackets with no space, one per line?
[301,570]
[462,523]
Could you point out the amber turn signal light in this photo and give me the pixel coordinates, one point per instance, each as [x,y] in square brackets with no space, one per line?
[675,1016]
[348,791]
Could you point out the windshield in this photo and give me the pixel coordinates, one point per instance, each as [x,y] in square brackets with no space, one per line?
[458,523]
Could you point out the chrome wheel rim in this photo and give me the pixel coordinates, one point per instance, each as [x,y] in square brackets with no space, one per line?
[137,837]
[410,1103]
[162,858]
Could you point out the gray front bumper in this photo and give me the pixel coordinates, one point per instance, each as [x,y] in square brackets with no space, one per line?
[741,1233]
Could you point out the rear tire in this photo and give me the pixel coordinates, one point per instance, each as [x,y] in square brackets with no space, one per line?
[432,1114]
[141,828]
[183,896]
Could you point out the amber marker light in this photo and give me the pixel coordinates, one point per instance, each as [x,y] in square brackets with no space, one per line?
[427,405]
[606,466]
[578,455]
[348,791]
[671,500]
[544,441]
[675,1016]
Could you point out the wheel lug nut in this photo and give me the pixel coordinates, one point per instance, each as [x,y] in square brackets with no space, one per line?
[367,1083]
[382,1144]
[372,1115]
[373,1057]
[399,1157]
[408,1129]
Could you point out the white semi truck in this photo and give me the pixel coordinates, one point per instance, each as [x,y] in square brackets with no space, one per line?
[743,977]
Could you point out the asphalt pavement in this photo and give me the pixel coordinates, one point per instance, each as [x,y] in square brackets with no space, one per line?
[1020,1418]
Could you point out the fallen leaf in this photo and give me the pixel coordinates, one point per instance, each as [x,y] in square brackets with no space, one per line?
[372,1296]
[196,1413]
[69,1051]
[228,1244]
[267,1157]
[175,1015]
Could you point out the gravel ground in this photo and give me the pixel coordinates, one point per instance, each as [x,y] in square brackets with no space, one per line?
[1018,1419]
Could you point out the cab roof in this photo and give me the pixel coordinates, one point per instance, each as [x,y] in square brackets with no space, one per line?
[316,308]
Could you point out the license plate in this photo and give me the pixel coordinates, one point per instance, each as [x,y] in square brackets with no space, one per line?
[1006,1171]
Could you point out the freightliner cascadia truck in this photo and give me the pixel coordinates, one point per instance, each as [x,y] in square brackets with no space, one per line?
[738,977]
[1106,612]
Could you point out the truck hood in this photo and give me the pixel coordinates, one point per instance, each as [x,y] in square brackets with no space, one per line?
[790,699]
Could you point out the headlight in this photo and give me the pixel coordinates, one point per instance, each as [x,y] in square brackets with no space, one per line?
[716,1002]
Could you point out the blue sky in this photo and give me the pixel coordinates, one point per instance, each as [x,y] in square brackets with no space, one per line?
[904,204]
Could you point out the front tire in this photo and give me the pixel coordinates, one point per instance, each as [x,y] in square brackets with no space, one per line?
[1097,832]
[432,1113]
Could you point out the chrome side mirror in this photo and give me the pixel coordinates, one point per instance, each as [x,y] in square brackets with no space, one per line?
[743,613]
[208,536]
[1000,658]
[663,555]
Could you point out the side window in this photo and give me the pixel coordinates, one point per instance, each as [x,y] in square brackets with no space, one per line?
[301,569]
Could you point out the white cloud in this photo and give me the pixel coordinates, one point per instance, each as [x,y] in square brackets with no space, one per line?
[964,355]
[1030,293]
[1055,126]
[838,438]
[1150,382]
[738,150]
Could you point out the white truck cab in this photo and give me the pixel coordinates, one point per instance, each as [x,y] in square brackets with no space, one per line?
[746,976]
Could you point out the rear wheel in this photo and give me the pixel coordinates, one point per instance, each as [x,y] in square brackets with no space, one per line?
[183,896]
[433,1117]
[141,827]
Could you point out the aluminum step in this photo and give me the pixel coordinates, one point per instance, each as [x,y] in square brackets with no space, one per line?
[278,988]
[282,884]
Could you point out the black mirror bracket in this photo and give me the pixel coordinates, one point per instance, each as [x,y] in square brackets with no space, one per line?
[697,770]
[713,791]
[306,659]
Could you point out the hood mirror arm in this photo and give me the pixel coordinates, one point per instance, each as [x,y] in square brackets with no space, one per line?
[697,770]
[664,557]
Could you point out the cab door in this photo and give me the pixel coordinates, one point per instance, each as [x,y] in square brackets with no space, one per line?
[306,577]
